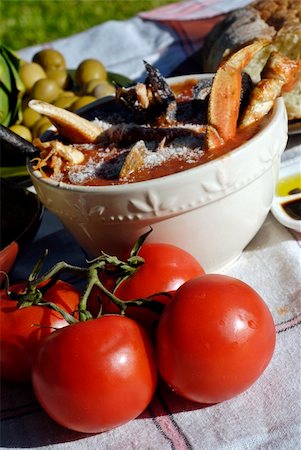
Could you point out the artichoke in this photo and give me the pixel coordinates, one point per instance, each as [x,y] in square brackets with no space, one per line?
[11,87]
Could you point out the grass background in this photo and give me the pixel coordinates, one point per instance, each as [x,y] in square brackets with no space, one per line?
[29,22]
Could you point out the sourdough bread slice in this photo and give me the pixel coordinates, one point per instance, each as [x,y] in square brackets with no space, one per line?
[277,20]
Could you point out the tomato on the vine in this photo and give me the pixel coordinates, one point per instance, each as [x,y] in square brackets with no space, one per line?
[8,256]
[214,339]
[23,329]
[95,375]
[165,269]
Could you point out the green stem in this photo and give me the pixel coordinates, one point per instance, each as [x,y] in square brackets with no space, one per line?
[68,317]
[120,303]
[138,244]
[84,314]
[37,286]
[57,269]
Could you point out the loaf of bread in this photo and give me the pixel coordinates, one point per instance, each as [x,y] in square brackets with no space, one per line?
[277,20]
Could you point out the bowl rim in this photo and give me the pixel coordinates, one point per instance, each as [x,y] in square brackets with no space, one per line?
[288,168]
[156,182]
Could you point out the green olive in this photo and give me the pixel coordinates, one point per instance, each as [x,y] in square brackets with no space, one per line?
[46,90]
[87,88]
[89,69]
[103,89]
[30,73]
[30,117]
[50,59]
[61,76]
[22,131]
[65,101]
[82,101]
[41,126]
[68,94]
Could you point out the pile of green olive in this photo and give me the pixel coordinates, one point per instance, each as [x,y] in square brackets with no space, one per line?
[47,78]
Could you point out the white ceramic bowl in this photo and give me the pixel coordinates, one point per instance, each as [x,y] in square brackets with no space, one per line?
[212,211]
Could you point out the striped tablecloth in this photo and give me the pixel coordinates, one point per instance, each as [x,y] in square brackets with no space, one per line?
[265,417]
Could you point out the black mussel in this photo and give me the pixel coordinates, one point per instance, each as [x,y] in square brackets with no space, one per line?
[152,101]
[134,133]
[129,97]
[202,89]
[246,89]
[164,99]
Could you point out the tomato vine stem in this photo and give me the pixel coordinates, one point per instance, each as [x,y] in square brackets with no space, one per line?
[37,285]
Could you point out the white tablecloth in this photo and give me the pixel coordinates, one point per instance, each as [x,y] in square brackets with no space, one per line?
[267,416]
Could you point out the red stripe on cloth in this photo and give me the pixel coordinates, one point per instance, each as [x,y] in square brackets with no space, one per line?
[284,326]
[182,11]
[192,32]
[173,10]
[167,426]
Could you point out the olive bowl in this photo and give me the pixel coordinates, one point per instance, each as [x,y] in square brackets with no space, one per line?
[212,211]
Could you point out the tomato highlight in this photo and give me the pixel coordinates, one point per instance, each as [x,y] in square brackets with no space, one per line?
[214,339]
[96,375]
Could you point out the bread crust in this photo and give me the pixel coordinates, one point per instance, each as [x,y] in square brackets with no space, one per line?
[279,13]
[277,20]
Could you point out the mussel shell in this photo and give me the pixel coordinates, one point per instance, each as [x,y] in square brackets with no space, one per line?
[202,89]
[160,88]
[246,89]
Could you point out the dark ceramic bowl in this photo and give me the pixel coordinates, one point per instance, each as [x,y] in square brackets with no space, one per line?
[21,214]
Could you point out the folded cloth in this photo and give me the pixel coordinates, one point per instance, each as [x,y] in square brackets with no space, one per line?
[193,10]
[120,45]
[166,40]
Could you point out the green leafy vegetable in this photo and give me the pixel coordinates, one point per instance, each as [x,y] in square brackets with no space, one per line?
[11,172]
[11,87]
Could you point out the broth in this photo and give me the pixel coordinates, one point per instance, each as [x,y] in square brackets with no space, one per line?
[169,149]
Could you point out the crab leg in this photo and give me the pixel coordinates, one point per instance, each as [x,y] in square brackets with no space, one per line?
[73,127]
[279,74]
[224,100]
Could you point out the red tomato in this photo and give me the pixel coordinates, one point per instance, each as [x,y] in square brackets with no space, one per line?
[22,330]
[214,339]
[7,258]
[95,375]
[166,267]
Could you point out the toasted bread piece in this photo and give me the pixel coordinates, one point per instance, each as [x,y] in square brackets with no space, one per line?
[277,20]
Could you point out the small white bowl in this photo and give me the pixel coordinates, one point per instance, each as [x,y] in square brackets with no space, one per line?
[288,169]
[212,211]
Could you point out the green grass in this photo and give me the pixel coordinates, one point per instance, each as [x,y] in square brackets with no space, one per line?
[30,22]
